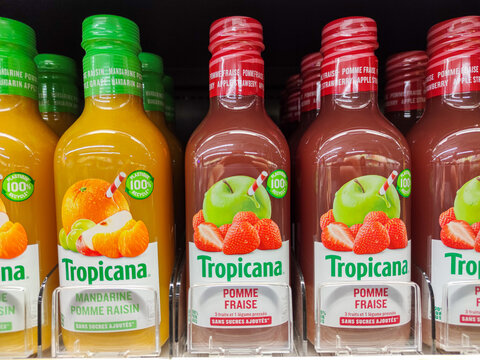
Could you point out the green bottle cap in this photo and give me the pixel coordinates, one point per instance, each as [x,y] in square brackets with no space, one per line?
[111,65]
[57,82]
[153,90]
[18,73]
[169,101]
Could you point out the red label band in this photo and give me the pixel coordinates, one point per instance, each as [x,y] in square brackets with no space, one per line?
[453,76]
[310,98]
[404,96]
[236,76]
[349,74]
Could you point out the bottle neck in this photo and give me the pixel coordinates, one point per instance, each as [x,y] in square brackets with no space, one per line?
[452,82]
[350,82]
[18,73]
[158,118]
[236,77]
[242,103]
[57,93]
[18,103]
[153,92]
[110,72]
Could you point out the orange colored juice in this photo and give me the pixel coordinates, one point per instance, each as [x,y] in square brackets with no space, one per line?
[114,202]
[27,220]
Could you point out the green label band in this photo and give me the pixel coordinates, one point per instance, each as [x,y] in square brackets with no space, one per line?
[153,101]
[57,99]
[18,82]
[169,112]
[112,80]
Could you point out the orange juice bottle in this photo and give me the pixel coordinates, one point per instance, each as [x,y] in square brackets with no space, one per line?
[113,190]
[27,207]
[154,105]
[169,102]
[57,91]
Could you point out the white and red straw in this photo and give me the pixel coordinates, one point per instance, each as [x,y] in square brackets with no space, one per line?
[386,185]
[115,185]
[257,183]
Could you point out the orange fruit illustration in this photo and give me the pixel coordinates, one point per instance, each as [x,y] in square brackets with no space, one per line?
[2,206]
[86,199]
[13,240]
[133,241]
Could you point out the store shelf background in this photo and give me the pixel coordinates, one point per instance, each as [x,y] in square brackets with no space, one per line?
[178,31]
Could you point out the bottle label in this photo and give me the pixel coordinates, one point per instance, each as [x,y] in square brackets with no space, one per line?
[455,258]
[58,97]
[239,242]
[363,237]
[19,261]
[453,75]
[17,81]
[311,96]
[236,76]
[404,96]
[110,74]
[101,244]
[349,74]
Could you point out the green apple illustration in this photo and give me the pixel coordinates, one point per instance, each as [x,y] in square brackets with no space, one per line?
[467,202]
[359,196]
[229,196]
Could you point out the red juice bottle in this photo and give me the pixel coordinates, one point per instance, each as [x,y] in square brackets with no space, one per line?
[353,211]
[237,166]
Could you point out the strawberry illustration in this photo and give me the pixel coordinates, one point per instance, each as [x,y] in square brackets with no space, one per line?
[269,233]
[476,228]
[223,229]
[458,234]
[446,217]
[477,243]
[338,237]
[372,238]
[247,216]
[397,231]
[207,237]
[326,219]
[379,216]
[354,229]
[198,219]
[241,238]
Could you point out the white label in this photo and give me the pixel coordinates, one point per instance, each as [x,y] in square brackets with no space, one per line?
[450,266]
[105,309]
[22,273]
[244,291]
[362,306]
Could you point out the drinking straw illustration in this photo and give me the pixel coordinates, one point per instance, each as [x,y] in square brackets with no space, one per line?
[386,185]
[257,183]
[115,185]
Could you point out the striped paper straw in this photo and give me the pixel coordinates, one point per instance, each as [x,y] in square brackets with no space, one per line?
[257,183]
[115,185]
[386,185]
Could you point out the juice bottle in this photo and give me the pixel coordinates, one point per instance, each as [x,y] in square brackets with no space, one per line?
[27,205]
[310,92]
[58,92]
[353,212]
[154,105]
[237,200]
[290,110]
[446,164]
[169,102]
[404,92]
[114,201]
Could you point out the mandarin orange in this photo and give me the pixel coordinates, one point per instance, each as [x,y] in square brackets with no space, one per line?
[134,241]
[13,240]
